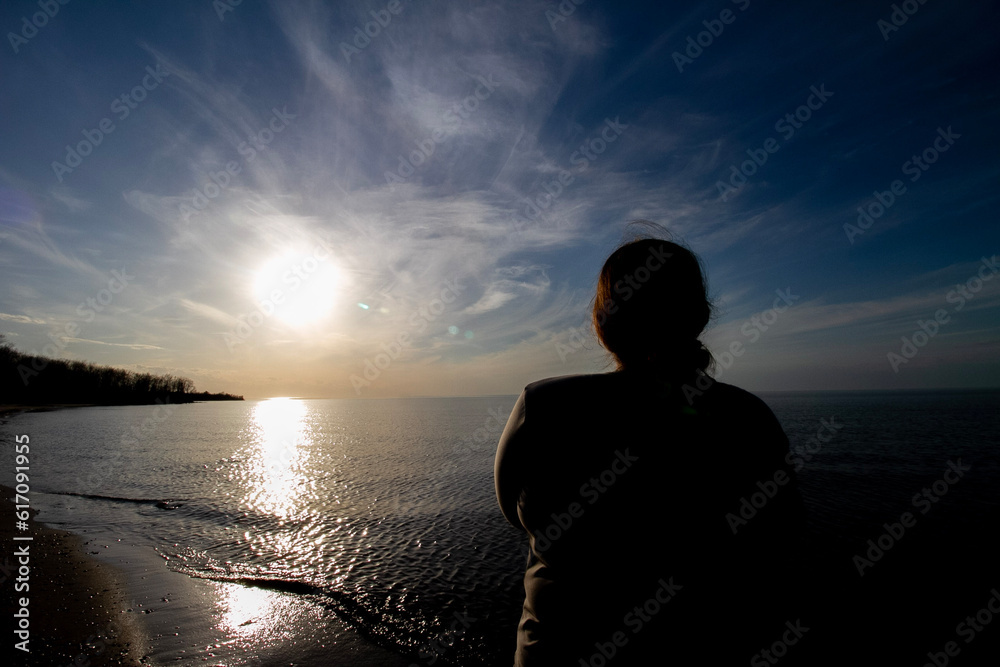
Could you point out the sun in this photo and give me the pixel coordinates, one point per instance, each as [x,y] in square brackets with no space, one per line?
[301,285]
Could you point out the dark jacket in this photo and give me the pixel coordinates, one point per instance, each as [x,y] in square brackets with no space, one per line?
[663,521]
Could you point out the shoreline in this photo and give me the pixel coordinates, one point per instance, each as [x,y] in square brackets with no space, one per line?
[11,409]
[122,606]
[94,599]
[8,410]
[77,605]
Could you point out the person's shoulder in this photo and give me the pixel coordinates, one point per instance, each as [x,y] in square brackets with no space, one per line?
[720,391]
[557,395]
[739,402]
[568,384]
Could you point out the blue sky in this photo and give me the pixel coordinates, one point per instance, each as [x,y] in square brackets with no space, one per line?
[265,199]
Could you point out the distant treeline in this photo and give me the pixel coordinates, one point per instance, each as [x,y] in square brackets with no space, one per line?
[33,380]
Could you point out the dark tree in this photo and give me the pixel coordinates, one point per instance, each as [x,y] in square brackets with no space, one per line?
[33,380]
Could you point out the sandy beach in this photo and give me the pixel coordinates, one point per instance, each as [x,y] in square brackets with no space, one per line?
[96,599]
[76,605]
[136,611]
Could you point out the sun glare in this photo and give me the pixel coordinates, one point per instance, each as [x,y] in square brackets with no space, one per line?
[300,288]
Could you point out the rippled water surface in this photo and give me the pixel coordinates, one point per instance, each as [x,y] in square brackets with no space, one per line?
[385,510]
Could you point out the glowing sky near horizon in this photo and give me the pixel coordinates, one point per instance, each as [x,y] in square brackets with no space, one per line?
[414,198]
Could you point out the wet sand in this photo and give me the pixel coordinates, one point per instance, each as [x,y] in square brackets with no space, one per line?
[97,600]
[76,605]
[94,599]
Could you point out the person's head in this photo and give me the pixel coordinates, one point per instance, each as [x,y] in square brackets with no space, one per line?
[651,306]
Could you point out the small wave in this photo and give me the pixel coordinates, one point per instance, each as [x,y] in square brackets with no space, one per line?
[400,635]
[162,504]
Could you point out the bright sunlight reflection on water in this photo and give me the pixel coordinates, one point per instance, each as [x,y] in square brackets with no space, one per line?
[278,458]
[246,610]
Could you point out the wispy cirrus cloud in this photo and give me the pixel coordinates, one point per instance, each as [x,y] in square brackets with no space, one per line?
[199,196]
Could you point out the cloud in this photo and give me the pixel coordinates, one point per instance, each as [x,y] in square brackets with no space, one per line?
[69,200]
[23,319]
[131,346]
[489,301]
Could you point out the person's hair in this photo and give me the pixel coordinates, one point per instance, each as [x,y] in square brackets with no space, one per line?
[651,306]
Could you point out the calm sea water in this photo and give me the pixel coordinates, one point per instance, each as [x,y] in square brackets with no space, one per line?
[385,510]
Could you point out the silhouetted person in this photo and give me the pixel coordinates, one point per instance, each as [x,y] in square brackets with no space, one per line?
[660,509]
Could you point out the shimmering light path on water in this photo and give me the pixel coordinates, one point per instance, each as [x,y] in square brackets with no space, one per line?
[381,513]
